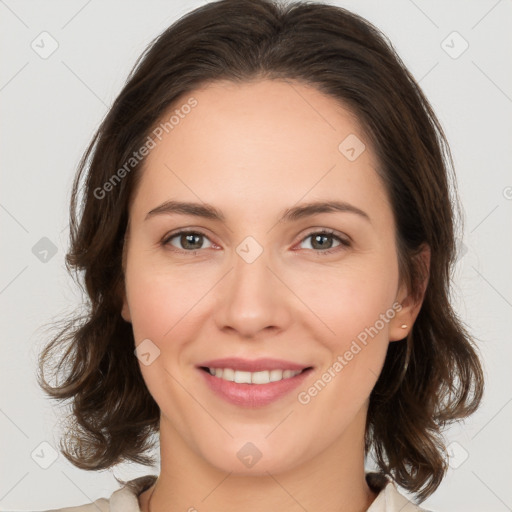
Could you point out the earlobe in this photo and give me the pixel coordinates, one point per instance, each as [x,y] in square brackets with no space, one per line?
[125,311]
[411,303]
[401,325]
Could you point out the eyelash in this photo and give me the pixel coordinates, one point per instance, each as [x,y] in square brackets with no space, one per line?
[327,232]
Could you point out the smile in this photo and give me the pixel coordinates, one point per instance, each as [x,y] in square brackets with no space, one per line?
[244,377]
[253,389]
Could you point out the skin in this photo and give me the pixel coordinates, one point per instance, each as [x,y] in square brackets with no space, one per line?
[252,150]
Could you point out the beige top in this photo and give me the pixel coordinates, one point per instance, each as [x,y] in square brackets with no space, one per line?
[125,499]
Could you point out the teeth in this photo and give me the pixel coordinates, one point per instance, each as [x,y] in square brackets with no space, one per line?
[241,377]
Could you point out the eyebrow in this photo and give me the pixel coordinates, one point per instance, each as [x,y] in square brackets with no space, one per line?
[208,211]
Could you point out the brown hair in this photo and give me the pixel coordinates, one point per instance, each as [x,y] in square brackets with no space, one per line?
[435,377]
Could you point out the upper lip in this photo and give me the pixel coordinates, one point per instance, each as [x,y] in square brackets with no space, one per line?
[253,365]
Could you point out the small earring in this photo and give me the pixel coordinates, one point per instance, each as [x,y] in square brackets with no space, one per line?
[404,326]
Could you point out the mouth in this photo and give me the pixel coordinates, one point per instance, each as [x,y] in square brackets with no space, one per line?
[253,384]
[246,377]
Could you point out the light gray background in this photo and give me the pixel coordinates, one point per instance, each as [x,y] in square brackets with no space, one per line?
[50,109]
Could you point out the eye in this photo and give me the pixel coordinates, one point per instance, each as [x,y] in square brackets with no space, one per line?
[189,240]
[320,240]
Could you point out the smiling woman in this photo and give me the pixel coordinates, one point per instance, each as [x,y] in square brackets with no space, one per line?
[269,284]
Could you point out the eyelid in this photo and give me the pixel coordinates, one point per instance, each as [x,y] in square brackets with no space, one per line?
[345,240]
[319,230]
[184,231]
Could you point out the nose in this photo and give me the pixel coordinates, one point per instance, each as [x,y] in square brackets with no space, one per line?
[252,298]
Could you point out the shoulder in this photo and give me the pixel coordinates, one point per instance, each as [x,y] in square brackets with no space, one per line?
[99,505]
[389,498]
[124,499]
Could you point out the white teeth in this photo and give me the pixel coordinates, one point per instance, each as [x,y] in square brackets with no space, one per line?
[263,377]
[276,375]
[242,377]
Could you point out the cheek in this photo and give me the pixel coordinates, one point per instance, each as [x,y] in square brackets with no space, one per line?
[357,312]
[161,308]
[351,300]
[365,306]
[149,307]
[161,302]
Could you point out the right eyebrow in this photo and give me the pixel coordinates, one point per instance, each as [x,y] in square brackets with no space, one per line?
[184,208]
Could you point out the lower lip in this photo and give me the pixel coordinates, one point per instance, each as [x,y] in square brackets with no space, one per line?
[253,395]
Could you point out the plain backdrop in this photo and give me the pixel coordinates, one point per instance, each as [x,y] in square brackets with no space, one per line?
[460,51]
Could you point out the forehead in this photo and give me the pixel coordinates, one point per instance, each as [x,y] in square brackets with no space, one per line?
[269,142]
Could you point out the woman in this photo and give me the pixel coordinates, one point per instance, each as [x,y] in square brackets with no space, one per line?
[266,236]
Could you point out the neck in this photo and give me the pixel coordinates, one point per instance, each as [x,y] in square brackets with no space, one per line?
[333,480]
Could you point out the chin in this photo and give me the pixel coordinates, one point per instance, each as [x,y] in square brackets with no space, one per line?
[256,458]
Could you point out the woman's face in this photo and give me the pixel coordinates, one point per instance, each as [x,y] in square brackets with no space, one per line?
[261,282]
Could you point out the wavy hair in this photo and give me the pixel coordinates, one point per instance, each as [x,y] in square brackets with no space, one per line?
[432,378]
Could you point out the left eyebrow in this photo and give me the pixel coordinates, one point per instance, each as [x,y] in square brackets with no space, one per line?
[309,209]
[208,211]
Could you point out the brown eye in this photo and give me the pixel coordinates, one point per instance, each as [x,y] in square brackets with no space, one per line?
[186,241]
[322,242]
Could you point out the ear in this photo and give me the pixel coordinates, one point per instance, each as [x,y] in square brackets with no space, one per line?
[125,310]
[410,300]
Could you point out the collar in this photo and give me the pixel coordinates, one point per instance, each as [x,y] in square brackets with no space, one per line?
[389,499]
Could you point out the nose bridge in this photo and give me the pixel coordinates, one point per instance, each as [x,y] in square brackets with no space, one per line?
[251,281]
[251,298]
